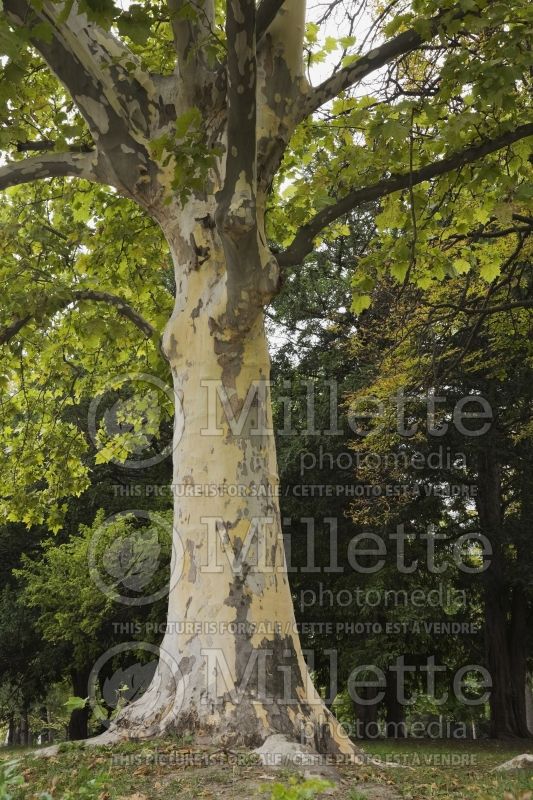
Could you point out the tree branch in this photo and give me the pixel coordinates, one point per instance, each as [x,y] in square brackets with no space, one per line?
[485,311]
[302,243]
[45,145]
[482,233]
[53,165]
[123,308]
[376,58]
[7,333]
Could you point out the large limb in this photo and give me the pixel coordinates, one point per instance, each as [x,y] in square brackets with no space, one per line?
[378,57]
[302,243]
[52,165]
[88,60]
[236,215]
[302,101]
[193,25]
[121,109]
[282,86]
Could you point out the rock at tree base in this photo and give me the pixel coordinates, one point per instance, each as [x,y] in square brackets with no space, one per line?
[524,761]
[278,751]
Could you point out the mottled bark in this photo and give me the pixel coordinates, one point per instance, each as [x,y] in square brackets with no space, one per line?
[238,673]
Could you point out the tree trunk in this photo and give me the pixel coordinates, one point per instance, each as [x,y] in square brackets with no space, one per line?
[16,733]
[529,705]
[11,731]
[503,722]
[518,656]
[394,710]
[521,608]
[231,663]
[48,732]
[79,717]
[503,700]
[25,735]
[367,713]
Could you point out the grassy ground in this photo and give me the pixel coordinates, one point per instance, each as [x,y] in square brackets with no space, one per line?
[156,771]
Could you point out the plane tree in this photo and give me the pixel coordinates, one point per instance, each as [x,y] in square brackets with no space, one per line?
[204,119]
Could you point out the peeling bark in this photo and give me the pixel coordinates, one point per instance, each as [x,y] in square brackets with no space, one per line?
[232,664]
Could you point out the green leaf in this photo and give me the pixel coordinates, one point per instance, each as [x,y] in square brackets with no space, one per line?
[490,270]
[135,24]
[461,266]
[361,302]
[76,704]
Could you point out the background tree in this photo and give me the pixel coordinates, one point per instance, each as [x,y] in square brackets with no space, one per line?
[353,614]
[72,614]
[462,340]
[27,664]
